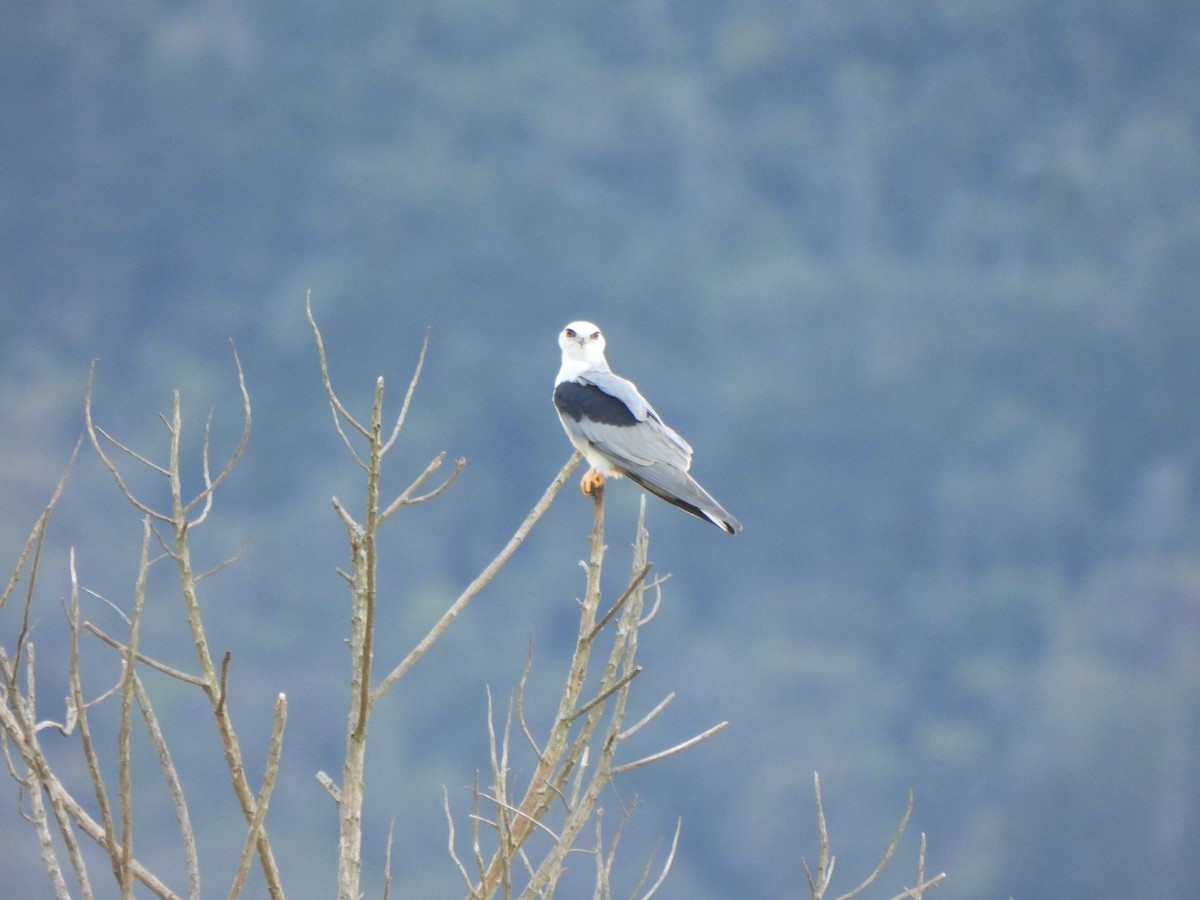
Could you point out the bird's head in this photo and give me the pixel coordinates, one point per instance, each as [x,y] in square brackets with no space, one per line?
[583,342]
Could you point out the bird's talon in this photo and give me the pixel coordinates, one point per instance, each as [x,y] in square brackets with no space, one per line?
[591,482]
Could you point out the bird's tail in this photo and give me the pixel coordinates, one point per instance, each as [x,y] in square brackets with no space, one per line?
[681,489]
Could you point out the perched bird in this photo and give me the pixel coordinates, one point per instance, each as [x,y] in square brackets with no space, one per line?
[619,433]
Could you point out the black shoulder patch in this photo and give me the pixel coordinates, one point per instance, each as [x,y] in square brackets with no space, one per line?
[576,401]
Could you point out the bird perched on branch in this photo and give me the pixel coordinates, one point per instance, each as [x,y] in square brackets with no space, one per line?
[619,433]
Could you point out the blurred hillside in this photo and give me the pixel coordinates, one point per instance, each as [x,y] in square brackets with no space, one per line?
[917,280]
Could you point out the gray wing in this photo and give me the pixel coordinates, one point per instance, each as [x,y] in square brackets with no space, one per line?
[644,440]
[606,411]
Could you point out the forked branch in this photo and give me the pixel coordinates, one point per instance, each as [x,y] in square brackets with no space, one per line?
[578,759]
[818,883]
[180,519]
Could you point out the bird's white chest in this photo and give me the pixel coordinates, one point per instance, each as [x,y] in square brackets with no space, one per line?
[599,463]
[590,453]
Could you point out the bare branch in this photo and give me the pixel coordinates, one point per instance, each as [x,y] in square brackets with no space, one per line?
[337,423]
[606,693]
[888,854]
[148,463]
[254,832]
[508,807]
[499,779]
[656,586]
[89,749]
[124,730]
[670,751]
[41,823]
[634,582]
[407,498]
[224,683]
[142,658]
[221,565]
[387,860]
[347,520]
[92,431]
[521,701]
[338,408]
[66,809]
[174,788]
[481,580]
[604,862]
[476,852]
[330,786]
[499,775]
[205,469]
[114,607]
[826,862]
[916,893]
[211,485]
[408,395]
[634,729]
[23,634]
[450,842]
[34,542]
[667,864]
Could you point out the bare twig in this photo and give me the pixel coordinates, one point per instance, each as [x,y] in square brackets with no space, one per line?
[338,409]
[34,542]
[499,764]
[347,520]
[224,563]
[520,703]
[41,823]
[254,832]
[67,810]
[17,729]
[578,759]
[916,893]
[646,719]
[211,484]
[408,395]
[481,580]
[387,860]
[634,583]
[560,754]
[94,433]
[142,658]
[174,788]
[450,841]
[362,578]
[407,498]
[214,684]
[888,854]
[670,751]
[223,684]
[667,863]
[89,748]
[818,885]
[330,785]
[508,807]
[476,852]
[149,464]
[605,694]
[124,751]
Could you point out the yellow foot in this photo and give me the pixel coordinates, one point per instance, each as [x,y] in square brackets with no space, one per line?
[591,481]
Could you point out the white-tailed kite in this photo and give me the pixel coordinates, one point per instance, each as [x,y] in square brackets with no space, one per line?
[619,433]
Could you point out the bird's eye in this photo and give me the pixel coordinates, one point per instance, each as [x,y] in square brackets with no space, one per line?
[595,335]
[570,332]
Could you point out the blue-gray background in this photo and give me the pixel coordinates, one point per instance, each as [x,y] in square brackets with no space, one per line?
[918,280]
